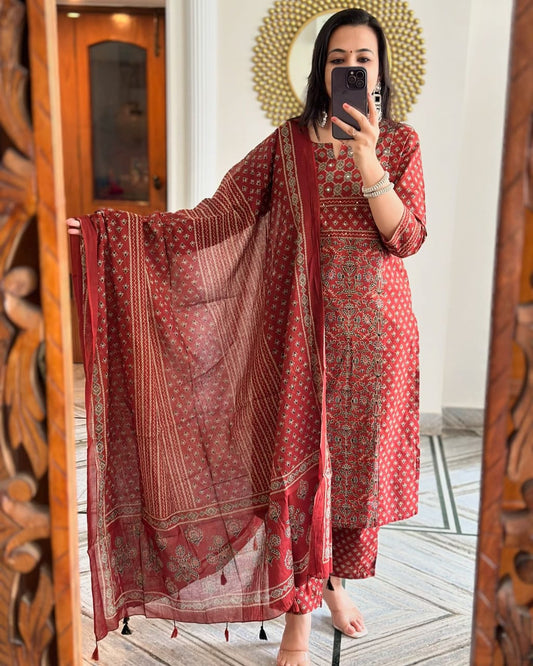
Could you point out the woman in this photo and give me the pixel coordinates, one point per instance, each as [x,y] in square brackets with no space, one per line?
[252,372]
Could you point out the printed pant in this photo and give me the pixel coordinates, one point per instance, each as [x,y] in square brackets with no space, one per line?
[354,556]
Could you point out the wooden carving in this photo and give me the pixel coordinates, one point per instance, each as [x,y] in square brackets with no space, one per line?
[515,625]
[37,534]
[513,632]
[503,618]
[25,574]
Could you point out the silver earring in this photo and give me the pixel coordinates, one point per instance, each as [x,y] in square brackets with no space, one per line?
[323,121]
[376,94]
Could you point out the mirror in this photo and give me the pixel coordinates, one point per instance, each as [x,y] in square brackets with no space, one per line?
[62,610]
[300,53]
[285,41]
[399,536]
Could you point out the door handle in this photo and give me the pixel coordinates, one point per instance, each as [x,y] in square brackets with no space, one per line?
[158,184]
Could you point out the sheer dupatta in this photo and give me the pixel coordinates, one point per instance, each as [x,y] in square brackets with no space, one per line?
[202,331]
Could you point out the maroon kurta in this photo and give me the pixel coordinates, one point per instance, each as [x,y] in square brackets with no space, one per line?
[371,335]
[203,330]
[371,348]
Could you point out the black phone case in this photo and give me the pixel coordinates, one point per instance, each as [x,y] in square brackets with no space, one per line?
[342,91]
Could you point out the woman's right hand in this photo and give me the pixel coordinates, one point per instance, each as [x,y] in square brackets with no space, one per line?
[73,226]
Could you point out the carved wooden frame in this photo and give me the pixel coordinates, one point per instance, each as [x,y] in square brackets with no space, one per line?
[502,631]
[39,580]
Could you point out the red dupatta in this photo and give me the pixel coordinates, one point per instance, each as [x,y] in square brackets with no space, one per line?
[202,331]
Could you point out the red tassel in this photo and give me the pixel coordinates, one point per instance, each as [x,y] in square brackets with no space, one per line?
[94,655]
[174,632]
[256,547]
[226,633]
[223,579]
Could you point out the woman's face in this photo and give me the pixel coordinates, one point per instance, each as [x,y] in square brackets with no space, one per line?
[350,46]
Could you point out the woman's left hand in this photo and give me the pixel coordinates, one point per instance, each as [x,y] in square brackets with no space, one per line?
[364,140]
[73,226]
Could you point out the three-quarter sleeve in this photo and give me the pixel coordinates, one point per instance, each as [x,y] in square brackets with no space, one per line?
[408,182]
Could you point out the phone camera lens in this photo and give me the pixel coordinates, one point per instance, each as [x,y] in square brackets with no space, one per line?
[360,83]
[352,81]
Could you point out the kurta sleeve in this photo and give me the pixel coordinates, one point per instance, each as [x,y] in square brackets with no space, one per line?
[409,186]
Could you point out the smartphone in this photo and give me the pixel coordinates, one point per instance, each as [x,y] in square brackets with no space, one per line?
[348,85]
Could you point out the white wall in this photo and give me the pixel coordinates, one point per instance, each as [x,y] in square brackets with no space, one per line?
[241,122]
[472,259]
[437,118]
[459,117]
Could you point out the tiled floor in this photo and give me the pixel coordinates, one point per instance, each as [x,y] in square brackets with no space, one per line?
[418,607]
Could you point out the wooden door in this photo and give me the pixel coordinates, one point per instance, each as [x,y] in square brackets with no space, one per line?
[112,81]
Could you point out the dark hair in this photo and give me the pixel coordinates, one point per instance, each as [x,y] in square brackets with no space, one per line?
[317,100]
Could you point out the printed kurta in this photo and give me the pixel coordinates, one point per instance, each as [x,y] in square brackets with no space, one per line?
[203,334]
[371,348]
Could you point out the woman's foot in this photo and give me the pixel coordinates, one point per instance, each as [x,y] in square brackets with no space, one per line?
[345,616]
[294,648]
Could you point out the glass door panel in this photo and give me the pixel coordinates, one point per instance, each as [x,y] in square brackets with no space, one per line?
[119,125]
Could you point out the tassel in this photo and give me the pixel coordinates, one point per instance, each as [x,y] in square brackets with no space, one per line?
[256,547]
[226,633]
[223,579]
[174,631]
[126,631]
[330,584]
[262,634]
[94,655]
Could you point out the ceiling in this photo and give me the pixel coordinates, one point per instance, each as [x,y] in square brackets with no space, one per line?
[111,3]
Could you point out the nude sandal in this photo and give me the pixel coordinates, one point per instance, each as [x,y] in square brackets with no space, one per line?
[304,661]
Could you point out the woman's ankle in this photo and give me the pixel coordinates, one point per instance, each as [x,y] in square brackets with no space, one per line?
[298,620]
[297,631]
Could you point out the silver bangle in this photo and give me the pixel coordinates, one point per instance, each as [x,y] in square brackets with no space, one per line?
[377,193]
[377,186]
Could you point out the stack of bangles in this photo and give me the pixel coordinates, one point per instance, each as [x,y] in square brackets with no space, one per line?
[381,187]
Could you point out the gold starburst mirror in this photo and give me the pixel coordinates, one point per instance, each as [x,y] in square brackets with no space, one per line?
[283,49]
